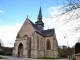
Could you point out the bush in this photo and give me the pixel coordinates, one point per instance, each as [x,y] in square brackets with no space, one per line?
[2,53]
[73,59]
[77,48]
[8,54]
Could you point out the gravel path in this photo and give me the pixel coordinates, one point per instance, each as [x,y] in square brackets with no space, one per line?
[18,58]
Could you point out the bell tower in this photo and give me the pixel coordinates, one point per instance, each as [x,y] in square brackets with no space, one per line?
[39,22]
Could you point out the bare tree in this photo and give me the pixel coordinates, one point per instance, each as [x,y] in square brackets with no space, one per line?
[71,14]
[73,6]
[78,39]
[1,43]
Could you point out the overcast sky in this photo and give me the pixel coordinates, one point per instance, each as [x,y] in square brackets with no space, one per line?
[14,12]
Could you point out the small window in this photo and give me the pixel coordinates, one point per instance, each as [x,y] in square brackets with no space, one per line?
[48,45]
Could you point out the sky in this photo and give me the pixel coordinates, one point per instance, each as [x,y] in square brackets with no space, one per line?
[14,12]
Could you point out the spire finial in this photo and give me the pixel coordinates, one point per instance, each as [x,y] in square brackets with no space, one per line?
[27,16]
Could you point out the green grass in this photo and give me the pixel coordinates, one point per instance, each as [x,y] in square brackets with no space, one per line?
[73,59]
[49,58]
[7,55]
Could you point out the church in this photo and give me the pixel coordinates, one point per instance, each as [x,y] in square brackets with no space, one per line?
[32,41]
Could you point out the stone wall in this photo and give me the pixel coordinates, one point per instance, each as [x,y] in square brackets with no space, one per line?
[36,51]
[78,56]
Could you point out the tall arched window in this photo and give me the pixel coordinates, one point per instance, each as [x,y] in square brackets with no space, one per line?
[37,42]
[48,45]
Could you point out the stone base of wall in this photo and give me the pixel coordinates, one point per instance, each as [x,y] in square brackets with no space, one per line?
[14,55]
[77,57]
[49,53]
[40,53]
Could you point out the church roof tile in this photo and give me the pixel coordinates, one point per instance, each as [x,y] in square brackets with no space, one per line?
[48,32]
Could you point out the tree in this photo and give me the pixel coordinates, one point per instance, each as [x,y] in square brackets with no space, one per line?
[1,43]
[71,5]
[65,52]
[77,48]
[71,14]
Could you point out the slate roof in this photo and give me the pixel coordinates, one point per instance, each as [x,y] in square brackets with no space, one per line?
[48,32]
[35,27]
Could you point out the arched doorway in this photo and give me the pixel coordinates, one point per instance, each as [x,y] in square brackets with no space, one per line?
[20,50]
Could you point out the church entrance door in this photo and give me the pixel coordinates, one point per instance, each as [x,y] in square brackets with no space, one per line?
[20,50]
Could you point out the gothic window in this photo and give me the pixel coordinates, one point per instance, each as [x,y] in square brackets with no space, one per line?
[37,42]
[48,45]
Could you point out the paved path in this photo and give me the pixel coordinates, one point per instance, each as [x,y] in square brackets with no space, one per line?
[17,58]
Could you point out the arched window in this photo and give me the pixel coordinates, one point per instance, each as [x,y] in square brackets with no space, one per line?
[48,45]
[37,42]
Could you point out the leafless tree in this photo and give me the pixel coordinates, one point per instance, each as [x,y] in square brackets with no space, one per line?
[1,43]
[71,10]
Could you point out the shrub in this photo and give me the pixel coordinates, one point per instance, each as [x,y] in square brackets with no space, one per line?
[2,53]
[8,54]
[77,48]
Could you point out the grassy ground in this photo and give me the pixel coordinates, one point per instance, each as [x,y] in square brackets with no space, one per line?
[49,58]
[73,59]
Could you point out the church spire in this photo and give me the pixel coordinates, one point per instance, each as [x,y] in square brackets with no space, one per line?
[39,22]
[40,15]
[40,12]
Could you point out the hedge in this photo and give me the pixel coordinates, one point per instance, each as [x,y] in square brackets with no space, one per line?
[2,53]
[77,48]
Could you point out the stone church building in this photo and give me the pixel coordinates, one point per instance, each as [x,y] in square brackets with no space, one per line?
[32,41]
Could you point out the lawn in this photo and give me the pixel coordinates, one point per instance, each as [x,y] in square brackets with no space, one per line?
[49,58]
[73,59]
